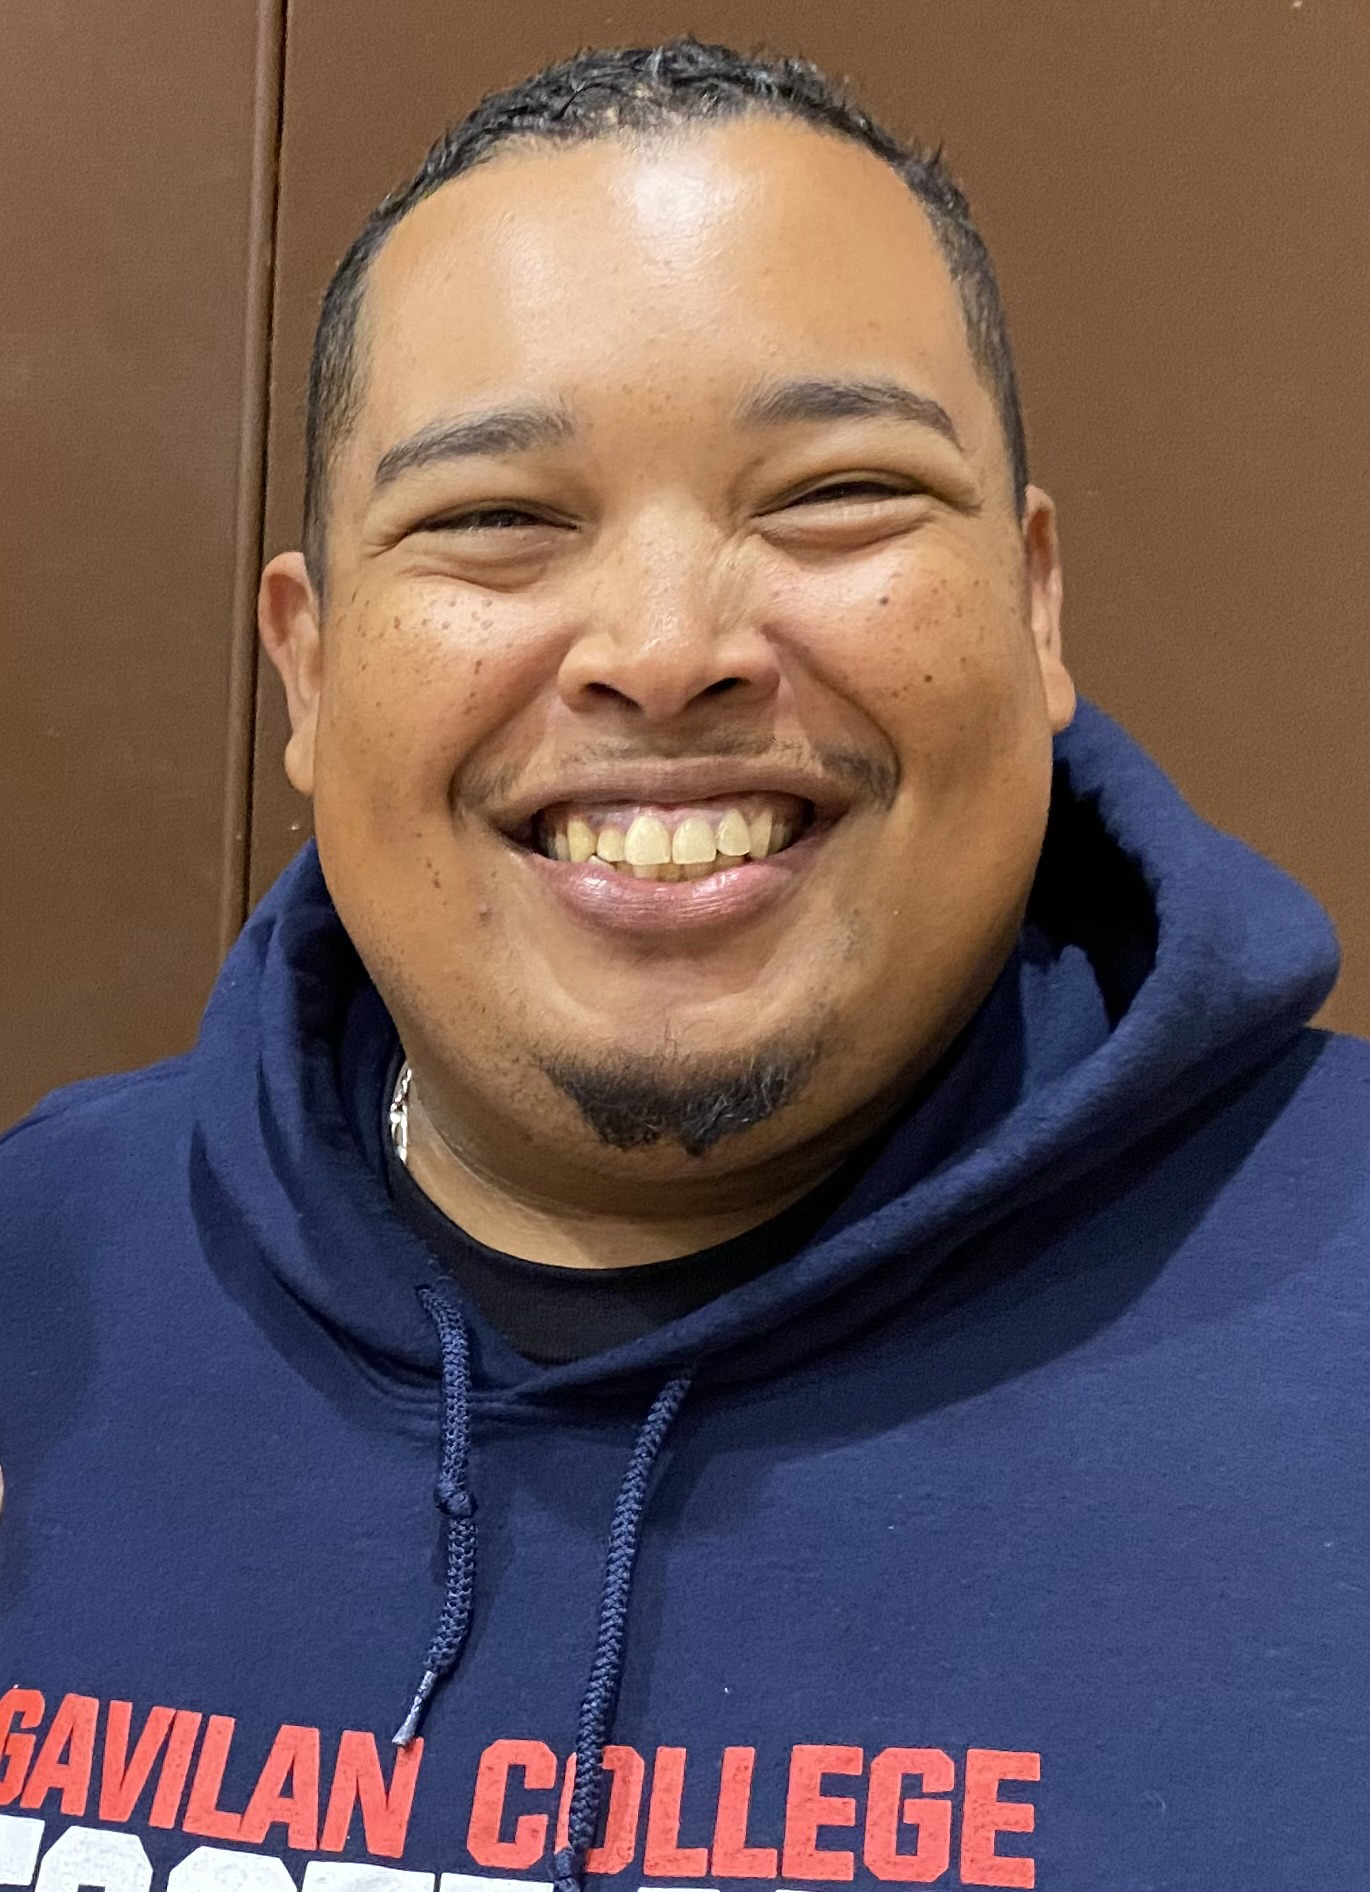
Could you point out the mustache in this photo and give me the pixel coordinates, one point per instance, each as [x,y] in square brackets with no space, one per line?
[870,780]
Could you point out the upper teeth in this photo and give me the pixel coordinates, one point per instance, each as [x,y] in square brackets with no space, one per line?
[651,847]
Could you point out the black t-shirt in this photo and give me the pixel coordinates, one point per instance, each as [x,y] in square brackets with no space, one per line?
[552,1315]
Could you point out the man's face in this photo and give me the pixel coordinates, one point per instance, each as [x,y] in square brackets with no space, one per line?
[741,577]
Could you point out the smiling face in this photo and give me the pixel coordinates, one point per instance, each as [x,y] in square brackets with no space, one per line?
[681,720]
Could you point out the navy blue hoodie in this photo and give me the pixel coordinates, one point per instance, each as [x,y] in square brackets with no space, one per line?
[1014,1533]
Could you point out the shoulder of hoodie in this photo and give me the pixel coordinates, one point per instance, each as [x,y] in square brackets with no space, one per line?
[1303,1121]
[1332,1106]
[95,1206]
[96,1226]
[1324,1115]
[1340,1073]
[98,1132]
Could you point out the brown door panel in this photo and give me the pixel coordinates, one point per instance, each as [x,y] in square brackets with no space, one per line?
[134,232]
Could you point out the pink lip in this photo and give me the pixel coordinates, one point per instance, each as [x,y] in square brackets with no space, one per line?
[599,895]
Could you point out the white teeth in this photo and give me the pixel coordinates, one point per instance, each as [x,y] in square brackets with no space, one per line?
[693,842]
[733,836]
[650,849]
[647,843]
[580,837]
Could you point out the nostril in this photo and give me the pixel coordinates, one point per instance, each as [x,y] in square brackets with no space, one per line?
[724,683]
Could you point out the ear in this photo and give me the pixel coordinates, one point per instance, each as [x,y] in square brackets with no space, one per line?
[288,619]
[1042,550]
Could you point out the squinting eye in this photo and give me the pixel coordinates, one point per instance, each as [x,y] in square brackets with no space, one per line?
[849,489]
[488,518]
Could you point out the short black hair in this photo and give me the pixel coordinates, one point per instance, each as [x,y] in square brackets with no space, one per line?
[601,93]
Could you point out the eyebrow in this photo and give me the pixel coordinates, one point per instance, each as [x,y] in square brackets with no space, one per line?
[809,398]
[525,427]
[515,429]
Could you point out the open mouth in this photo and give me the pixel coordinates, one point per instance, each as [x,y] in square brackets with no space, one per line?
[670,841]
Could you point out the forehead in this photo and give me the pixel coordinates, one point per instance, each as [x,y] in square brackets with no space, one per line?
[673,271]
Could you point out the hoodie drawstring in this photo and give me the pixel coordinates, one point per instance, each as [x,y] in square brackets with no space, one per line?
[453,1494]
[606,1671]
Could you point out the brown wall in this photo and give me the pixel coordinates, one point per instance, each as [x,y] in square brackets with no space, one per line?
[1179,201]
[138,183]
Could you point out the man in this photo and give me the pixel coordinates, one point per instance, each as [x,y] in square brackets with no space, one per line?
[798,1137]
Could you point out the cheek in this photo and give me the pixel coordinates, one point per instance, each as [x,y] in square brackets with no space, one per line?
[411,688]
[936,659]
[929,649]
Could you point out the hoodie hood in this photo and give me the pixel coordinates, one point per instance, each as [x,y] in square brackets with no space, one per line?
[1161,960]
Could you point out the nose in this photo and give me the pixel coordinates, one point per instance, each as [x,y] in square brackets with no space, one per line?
[665,627]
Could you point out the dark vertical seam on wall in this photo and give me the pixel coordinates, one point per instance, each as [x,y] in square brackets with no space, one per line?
[268,115]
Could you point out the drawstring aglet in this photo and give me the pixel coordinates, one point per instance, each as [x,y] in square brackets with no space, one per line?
[409,1727]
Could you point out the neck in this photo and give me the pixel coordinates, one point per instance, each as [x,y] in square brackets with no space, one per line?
[612,1227]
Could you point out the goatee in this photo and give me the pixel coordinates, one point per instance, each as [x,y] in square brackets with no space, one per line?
[631,1104]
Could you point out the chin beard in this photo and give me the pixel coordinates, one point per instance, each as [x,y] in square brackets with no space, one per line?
[632,1103]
